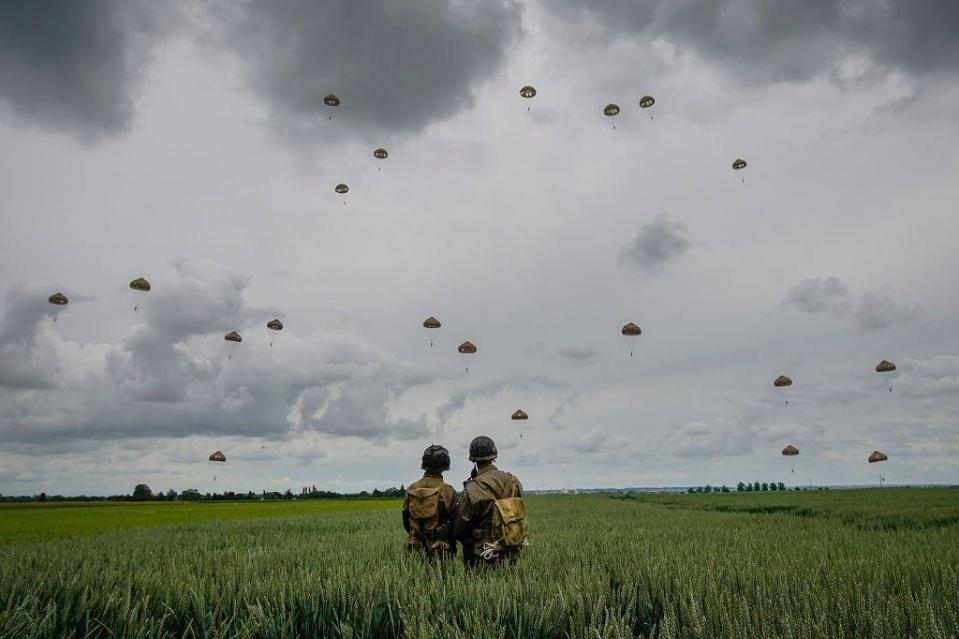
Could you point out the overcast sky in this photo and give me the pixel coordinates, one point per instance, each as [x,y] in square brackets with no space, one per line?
[189,144]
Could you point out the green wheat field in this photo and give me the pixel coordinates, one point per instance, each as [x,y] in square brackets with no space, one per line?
[858,563]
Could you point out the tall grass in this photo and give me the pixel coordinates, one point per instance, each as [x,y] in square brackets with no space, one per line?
[597,567]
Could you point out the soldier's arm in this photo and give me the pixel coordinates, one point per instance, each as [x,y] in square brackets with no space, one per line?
[406,515]
[463,526]
[519,485]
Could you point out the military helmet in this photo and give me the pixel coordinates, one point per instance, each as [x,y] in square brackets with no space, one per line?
[436,458]
[482,448]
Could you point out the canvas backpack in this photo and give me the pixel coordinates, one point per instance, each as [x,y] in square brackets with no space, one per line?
[510,529]
[424,508]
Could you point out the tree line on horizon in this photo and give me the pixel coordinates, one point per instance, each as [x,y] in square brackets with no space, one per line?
[142,492]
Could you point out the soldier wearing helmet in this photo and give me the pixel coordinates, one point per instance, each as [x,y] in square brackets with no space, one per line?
[429,508]
[490,517]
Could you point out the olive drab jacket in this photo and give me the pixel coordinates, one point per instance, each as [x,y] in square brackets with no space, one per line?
[474,516]
[428,511]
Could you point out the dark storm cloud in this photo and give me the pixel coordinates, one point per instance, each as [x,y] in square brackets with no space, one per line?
[172,377]
[829,295]
[820,295]
[763,41]
[657,243]
[75,66]
[879,310]
[397,67]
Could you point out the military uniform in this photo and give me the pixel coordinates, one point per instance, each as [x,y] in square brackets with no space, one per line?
[474,516]
[430,507]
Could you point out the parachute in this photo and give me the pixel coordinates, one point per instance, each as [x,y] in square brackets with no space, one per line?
[232,336]
[140,284]
[431,322]
[331,101]
[217,457]
[739,164]
[647,101]
[527,92]
[631,330]
[467,348]
[518,416]
[341,188]
[274,325]
[791,451]
[611,109]
[381,153]
[877,456]
[59,299]
[885,367]
[781,382]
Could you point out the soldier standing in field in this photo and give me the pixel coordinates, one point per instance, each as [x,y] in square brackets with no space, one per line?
[491,515]
[429,508]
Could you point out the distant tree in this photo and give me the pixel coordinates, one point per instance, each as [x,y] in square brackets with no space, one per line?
[725,488]
[749,488]
[756,486]
[782,486]
[690,490]
[142,492]
[708,489]
[190,494]
[765,486]
[171,495]
[42,497]
[402,489]
[288,494]
[740,487]
[773,486]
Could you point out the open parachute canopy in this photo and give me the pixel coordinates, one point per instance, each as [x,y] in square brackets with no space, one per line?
[275,325]
[467,347]
[218,457]
[631,329]
[431,322]
[520,414]
[782,381]
[331,100]
[380,153]
[140,284]
[790,450]
[885,367]
[739,164]
[527,91]
[58,298]
[611,109]
[233,336]
[341,188]
[647,101]
[877,456]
